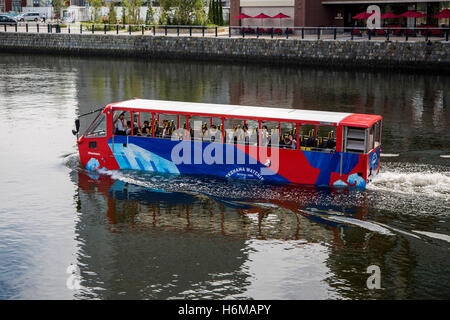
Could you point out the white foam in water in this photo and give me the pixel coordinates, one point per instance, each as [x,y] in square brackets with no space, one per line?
[389,155]
[434,235]
[398,230]
[424,183]
[268,205]
[362,224]
[445,156]
[118,175]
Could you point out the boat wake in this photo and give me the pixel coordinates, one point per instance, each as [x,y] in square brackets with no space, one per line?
[325,206]
[432,184]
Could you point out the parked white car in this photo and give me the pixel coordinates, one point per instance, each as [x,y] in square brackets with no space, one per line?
[29,16]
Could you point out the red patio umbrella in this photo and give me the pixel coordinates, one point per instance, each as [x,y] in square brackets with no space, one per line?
[363,15]
[280,16]
[413,14]
[262,16]
[443,14]
[242,16]
[389,15]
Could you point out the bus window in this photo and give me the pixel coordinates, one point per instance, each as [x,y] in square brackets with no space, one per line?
[234,132]
[144,124]
[270,135]
[288,135]
[377,133]
[354,139]
[121,119]
[371,142]
[98,129]
[326,138]
[165,125]
[307,135]
[181,131]
[198,126]
[252,132]
[134,125]
[214,132]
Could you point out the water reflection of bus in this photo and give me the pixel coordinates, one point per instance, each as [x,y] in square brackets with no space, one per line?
[130,203]
[133,227]
[270,144]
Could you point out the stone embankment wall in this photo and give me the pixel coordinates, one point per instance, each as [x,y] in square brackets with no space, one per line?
[418,55]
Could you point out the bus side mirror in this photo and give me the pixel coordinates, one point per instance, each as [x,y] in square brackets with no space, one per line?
[77,127]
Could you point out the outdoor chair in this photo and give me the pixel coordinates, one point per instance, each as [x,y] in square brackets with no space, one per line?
[410,32]
[278,31]
[356,32]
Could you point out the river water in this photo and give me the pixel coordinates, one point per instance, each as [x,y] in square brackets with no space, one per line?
[70,234]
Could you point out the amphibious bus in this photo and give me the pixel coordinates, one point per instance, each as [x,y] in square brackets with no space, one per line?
[232,141]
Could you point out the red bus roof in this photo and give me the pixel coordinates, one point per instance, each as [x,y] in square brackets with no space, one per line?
[360,120]
[267,113]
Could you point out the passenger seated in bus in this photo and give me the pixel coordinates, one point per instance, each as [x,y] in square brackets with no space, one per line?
[265,137]
[147,132]
[146,125]
[128,130]
[247,134]
[212,135]
[135,128]
[331,144]
[158,132]
[120,125]
[290,142]
[253,137]
[204,132]
[165,130]
[311,141]
[229,134]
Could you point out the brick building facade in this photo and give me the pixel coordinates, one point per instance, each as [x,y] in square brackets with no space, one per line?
[12,5]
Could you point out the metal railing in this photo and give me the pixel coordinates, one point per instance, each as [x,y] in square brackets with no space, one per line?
[344,33]
[301,33]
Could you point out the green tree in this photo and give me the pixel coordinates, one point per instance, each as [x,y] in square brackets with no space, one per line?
[220,13]
[57,6]
[96,4]
[165,7]
[149,17]
[214,9]
[134,9]
[200,17]
[185,10]
[125,12]
[210,12]
[112,13]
